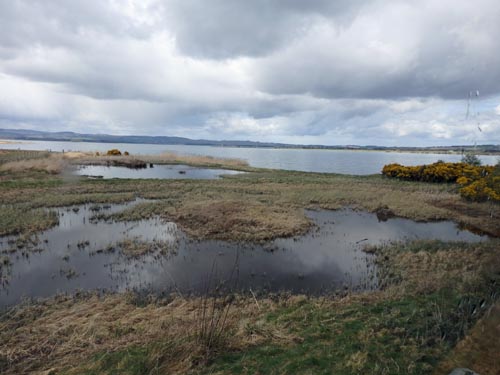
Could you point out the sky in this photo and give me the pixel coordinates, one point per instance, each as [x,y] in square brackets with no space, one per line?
[331,72]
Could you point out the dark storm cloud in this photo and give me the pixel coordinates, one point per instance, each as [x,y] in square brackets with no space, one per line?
[61,22]
[330,49]
[230,28]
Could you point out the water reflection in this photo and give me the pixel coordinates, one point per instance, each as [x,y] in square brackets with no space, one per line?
[81,254]
[156,172]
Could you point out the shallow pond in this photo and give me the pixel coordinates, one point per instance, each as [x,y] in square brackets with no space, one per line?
[82,254]
[156,172]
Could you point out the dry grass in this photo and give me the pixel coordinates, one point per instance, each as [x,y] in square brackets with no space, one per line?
[65,332]
[7,142]
[76,155]
[140,161]
[481,217]
[18,155]
[261,205]
[480,349]
[241,221]
[196,160]
[136,247]
[52,163]
[456,265]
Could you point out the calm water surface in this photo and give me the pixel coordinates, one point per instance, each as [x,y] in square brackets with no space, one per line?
[328,161]
[82,254]
[156,172]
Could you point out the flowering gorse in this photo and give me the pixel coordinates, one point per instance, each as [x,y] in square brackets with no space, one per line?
[478,183]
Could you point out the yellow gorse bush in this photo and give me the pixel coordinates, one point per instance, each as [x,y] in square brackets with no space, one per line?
[479,183]
[114,152]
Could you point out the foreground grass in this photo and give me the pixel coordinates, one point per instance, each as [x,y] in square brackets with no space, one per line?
[409,327]
[381,337]
[479,349]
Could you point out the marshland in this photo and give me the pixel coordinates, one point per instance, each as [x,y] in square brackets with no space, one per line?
[260,271]
[250,187]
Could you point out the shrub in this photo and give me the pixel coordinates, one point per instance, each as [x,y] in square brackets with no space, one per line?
[479,183]
[114,152]
[484,188]
[471,159]
[437,172]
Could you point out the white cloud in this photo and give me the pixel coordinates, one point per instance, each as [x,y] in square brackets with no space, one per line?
[318,71]
[23,99]
[410,105]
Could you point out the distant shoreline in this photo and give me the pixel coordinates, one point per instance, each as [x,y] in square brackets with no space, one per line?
[11,141]
[68,136]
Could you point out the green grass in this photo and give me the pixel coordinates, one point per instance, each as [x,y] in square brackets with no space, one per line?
[39,180]
[407,335]
[131,361]
[17,219]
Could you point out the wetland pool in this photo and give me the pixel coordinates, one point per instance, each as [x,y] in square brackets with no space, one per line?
[82,253]
[158,171]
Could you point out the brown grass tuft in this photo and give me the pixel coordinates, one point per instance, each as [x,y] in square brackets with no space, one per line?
[76,155]
[53,164]
[198,160]
[135,247]
[480,349]
[419,268]
[237,220]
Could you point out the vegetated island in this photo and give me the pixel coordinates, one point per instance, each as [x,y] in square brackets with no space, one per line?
[436,307]
[35,135]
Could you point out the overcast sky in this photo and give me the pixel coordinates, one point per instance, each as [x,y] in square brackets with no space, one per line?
[389,72]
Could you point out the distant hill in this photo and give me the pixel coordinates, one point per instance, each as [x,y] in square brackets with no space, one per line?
[35,135]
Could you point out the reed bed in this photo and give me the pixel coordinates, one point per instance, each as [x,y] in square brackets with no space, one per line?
[196,160]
